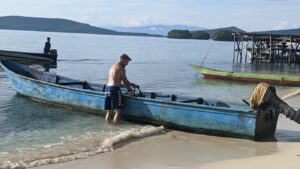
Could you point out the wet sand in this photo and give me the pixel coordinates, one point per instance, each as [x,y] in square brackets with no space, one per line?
[180,150]
[176,150]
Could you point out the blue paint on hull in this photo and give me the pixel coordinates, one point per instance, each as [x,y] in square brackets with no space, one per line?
[184,116]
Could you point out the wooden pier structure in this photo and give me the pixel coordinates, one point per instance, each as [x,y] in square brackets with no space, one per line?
[269,48]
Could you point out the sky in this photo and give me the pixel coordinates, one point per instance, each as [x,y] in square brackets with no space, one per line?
[249,15]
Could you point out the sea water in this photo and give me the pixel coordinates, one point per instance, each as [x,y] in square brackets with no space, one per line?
[33,133]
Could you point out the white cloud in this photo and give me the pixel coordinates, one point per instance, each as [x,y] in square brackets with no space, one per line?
[283,25]
[153,28]
[286,25]
[137,21]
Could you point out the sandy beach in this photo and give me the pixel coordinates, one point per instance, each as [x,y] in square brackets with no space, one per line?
[180,150]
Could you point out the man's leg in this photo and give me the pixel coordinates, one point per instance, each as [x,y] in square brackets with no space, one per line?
[108,106]
[117,117]
[108,115]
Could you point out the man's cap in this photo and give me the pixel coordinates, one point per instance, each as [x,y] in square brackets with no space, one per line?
[125,56]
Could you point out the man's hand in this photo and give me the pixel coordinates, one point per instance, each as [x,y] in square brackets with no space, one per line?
[129,90]
[135,85]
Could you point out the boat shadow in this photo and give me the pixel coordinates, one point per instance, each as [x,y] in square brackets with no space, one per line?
[283,136]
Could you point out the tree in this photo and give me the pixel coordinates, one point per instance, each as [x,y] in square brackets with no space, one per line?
[223,35]
[200,35]
[180,34]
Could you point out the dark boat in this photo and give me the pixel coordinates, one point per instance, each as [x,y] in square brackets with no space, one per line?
[27,57]
[188,114]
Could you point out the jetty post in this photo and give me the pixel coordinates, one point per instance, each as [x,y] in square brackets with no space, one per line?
[238,48]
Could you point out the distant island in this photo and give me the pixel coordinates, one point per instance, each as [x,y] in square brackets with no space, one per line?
[186,34]
[57,25]
[224,34]
[221,34]
[156,29]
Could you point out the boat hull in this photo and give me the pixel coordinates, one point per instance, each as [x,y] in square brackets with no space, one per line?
[27,56]
[285,80]
[182,116]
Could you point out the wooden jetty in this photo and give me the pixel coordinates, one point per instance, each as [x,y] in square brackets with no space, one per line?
[269,48]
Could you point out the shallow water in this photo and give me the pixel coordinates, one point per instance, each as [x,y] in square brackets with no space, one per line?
[30,130]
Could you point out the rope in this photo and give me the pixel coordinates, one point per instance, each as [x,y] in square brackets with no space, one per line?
[257,96]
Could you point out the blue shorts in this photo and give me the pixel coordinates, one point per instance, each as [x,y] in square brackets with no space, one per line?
[113,99]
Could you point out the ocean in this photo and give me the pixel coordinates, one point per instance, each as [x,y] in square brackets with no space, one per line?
[34,133]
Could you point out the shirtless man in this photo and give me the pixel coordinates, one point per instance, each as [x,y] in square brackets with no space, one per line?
[116,76]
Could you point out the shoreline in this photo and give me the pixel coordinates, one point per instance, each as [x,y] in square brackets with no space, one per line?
[175,149]
[181,150]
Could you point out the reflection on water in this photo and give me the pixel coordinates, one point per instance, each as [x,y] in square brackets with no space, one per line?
[292,69]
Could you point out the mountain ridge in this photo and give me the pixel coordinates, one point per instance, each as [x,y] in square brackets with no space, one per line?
[56,25]
[70,26]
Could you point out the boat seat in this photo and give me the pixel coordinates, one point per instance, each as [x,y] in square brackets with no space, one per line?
[152,95]
[28,74]
[49,77]
[172,97]
[221,104]
[85,84]
[199,100]
[70,83]
[103,88]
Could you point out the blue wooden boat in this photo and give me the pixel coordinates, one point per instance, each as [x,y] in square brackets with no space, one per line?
[195,115]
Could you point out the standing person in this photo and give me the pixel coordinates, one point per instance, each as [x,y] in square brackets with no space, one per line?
[47,46]
[116,76]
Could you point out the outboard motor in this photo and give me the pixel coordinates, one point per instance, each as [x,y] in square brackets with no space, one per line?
[264,98]
[53,52]
[53,56]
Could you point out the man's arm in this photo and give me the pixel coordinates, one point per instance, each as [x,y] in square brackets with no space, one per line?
[126,82]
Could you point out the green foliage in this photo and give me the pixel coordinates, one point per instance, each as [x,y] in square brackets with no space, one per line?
[185,34]
[200,35]
[180,34]
[223,35]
